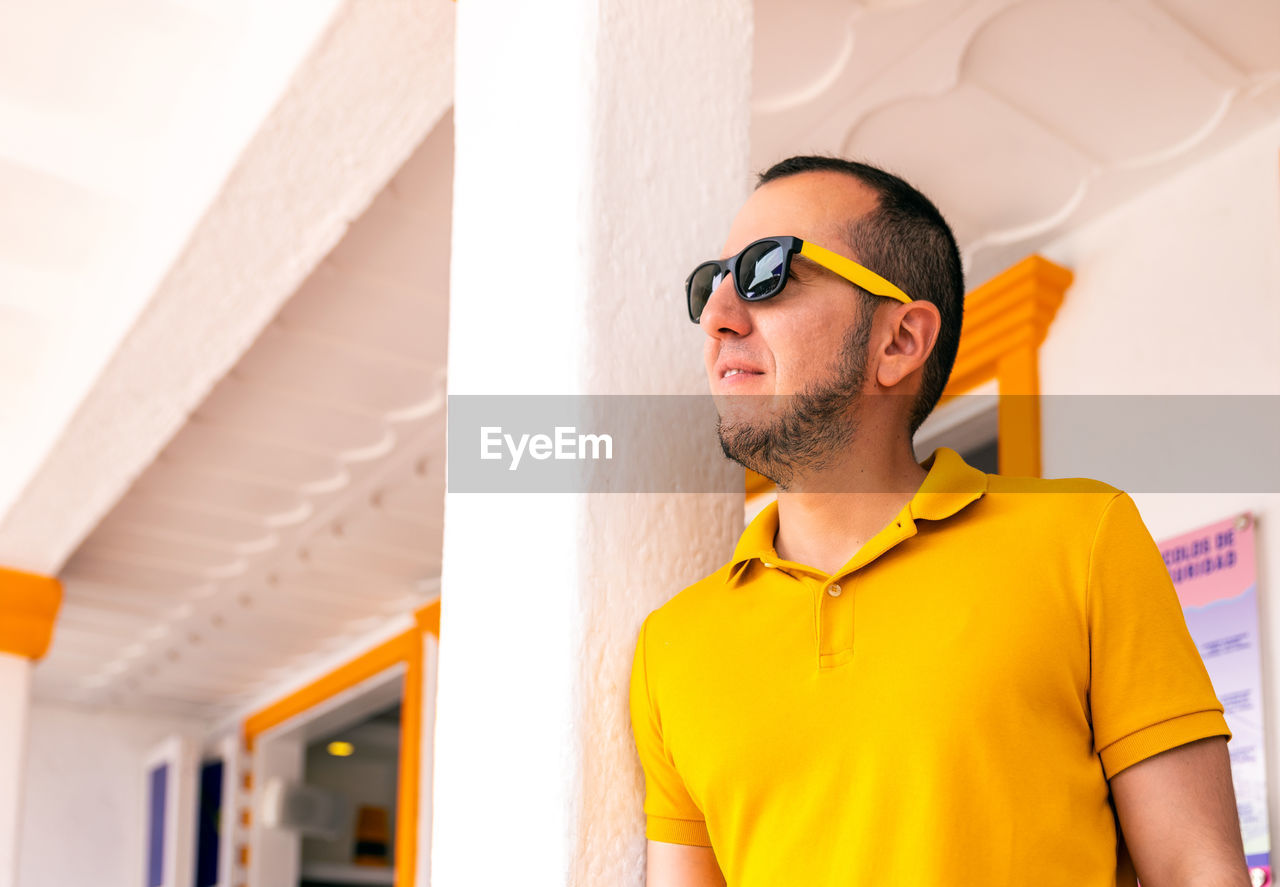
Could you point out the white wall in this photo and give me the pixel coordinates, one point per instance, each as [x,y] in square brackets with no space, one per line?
[15,707]
[82,818]
[1178,292]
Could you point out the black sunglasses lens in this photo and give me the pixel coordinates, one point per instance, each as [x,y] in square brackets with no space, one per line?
[702,284]
[762,269]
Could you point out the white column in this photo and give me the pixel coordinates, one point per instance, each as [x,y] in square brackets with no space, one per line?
[601,151]
[29,606]
[15,706]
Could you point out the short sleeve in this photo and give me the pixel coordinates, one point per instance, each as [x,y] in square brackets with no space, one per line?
[1149,690]
[671,815]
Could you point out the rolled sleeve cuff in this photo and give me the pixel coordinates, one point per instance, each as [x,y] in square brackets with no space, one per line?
[1161,737]
[677,831]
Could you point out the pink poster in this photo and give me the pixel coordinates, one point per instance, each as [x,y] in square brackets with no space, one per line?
[1215,574]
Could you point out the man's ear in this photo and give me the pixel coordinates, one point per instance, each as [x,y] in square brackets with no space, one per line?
[910,332]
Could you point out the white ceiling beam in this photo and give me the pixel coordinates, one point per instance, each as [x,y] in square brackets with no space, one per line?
[367,95]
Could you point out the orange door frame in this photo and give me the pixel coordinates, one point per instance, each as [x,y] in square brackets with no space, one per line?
[1005,321]
[405,648]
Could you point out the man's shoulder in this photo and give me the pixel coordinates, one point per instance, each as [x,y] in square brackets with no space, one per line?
[1082,497]
[693,603]
[1082,486]
[1058,511]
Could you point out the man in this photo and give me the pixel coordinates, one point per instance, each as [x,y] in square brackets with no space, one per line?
[908,673]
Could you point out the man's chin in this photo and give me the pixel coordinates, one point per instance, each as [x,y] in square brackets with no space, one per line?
[750,445]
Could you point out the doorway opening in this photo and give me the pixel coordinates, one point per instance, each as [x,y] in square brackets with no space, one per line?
[330,776]
[357,767]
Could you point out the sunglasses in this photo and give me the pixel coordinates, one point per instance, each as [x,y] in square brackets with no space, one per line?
[760,272]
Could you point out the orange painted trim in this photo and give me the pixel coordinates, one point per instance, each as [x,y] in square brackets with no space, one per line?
[343,677]
[757,483]
[428,618]
[406,855]
[1018,419]
[406,648]
[1006,320]
[29,606]
[759,488]
[1011,310]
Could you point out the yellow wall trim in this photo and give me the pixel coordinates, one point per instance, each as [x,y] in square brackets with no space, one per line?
[429,618]
[363,667]
[1009,313]
[405,648]
[29,606]
[1005,321]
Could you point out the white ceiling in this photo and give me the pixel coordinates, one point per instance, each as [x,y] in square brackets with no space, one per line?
[257,528]
[301,505]
[118,124]
[1019,119]
[231,449]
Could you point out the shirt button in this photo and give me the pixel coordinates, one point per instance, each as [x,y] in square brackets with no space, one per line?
[834,590]
[767,564]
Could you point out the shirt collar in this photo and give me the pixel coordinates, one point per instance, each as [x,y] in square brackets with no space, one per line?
[950,485]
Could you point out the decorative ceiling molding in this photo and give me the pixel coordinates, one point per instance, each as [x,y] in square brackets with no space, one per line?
[359,104]
[1021,119]
[810,75]
[301,504]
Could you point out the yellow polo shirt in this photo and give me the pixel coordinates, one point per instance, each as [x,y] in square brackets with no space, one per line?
[944,709]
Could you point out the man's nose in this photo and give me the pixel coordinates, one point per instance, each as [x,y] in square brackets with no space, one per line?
[725,314]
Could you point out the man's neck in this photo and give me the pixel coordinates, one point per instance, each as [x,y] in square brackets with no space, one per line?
[825,517]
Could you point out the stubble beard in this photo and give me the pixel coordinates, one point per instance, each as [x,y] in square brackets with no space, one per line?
[811,428]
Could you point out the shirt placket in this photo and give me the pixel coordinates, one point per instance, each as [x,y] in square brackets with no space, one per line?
[835,620]
[837,613]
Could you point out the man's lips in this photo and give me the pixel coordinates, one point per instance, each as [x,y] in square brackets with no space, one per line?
[731,377]
[734,369]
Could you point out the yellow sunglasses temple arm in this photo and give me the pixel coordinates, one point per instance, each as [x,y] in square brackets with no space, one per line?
[852,271]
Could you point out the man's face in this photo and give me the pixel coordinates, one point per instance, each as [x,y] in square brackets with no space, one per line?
[801,355]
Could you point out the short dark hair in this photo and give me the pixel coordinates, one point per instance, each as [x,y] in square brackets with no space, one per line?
[908,242]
